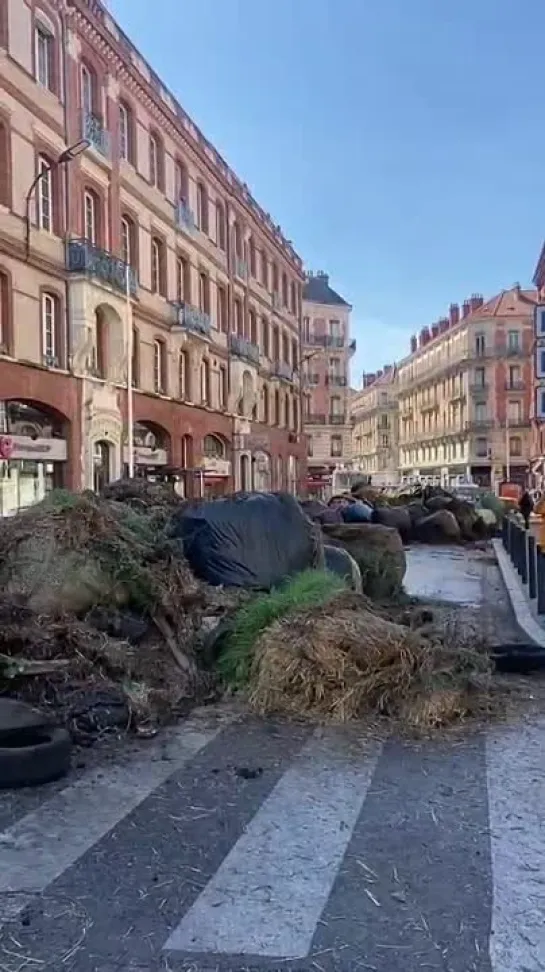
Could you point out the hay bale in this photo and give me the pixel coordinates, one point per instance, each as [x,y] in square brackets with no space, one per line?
[345,662]
[378,552]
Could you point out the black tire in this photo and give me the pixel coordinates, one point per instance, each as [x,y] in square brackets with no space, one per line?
[34,757]
[520,659]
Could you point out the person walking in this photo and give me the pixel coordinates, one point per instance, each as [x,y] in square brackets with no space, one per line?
[526,506]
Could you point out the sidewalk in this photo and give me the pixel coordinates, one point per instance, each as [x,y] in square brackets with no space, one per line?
[525,610]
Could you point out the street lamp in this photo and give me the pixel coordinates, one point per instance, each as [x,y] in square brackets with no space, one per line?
[67,155]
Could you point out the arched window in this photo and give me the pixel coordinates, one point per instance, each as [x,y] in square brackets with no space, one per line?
[159,367]
[220,226]
[213,447]
[202,207]
[51,329]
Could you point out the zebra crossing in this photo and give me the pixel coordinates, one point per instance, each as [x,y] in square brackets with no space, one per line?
[243,845]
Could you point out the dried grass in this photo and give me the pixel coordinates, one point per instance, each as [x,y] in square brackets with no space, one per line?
[346,662]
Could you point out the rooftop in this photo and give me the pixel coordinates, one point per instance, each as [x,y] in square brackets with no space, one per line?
[317,291]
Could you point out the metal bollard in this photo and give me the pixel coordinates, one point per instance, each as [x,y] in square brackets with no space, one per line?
[524,556]
[531,566]
[517,546]
[505,533]
[510,538]
[540,580]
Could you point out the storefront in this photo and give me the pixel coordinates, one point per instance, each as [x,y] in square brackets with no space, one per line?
[29,469]
[150,453]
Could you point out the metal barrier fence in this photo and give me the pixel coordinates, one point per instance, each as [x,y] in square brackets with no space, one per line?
[528,559]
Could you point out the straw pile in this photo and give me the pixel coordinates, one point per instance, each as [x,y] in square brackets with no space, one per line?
[346,661]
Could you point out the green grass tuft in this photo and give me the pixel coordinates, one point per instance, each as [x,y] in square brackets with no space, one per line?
[305,590]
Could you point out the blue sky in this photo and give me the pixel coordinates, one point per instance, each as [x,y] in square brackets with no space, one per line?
[400,144]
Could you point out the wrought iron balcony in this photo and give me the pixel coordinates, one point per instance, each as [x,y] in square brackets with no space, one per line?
[192,319]
[280,369]
[84,258]
[478,388]
[97,136]
[514,386]
[243,348]
[241,268]
[481,423]
[339,380]
[326,341]
[311,379]
[185,217]
[337,419]
[315,418]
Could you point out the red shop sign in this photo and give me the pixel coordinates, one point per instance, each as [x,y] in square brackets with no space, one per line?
[6,447]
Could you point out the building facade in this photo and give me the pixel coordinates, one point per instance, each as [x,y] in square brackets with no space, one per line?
[326,349]
[538,375]
[465,393]
[136,258]
[374,415]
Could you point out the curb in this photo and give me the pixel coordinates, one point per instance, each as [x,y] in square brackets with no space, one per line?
[518,596]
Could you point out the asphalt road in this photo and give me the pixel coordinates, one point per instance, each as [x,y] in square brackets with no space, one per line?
[237,844]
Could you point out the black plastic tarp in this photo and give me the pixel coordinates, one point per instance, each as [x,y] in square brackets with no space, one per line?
[252,540]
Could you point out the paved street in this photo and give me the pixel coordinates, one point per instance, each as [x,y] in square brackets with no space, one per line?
[236,844]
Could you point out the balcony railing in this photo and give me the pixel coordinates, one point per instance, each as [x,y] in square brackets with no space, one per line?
[515,386]
[185,217]
[478,388]
[193,319]
[96,134]
[241,268]
[339,380]
[280,369]
[315,418]
[243,348]
[311,379]
[82,257]
[511,351]
[337,419]
[326,341]
[481,423]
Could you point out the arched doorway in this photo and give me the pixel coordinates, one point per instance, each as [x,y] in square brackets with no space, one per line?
[245,473]
[33,453]
[151,449]
[102,465]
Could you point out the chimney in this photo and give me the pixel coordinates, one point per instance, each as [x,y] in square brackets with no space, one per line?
[444,325]
[454,314]
[435,330]
[476,301]
[323,276]
[466,307]
[427,334]
[414,343]
[517,288]
[422,337]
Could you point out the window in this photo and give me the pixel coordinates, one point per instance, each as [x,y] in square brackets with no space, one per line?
[222,387]
[336,332]
[481,448]
[266,408]
[274,278]
[184,375]
[155,161]
[480,411]
[5,320]
[90,216]
[220,226]
[264,275]
[336,445]
[515,445]
[204,293]
[239,320]
[514,411]
[514,376]
[213,448]
[202,207]
[252,255]
[293,298]
[221,298]
[45,195]
[182,182]
[128,242]
[276,407]
[310,446]
[44,48]
[287,412]
[480,378]
[87,92]
[135,358]
[237,240]
[266,336]
[205,382]
[157,275]
[183,293]
[50,328]
[540,369]
[275,344]
[513,340]
[253,325]
[159,367]
[480,345]
[385,442]
[284,290]
[5,165]
[125,133]
[306,329]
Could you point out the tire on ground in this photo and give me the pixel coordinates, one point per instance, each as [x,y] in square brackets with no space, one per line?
[32,757]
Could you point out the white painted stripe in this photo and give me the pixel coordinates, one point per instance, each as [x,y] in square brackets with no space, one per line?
[268,894]
[516,787]
[42,845]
